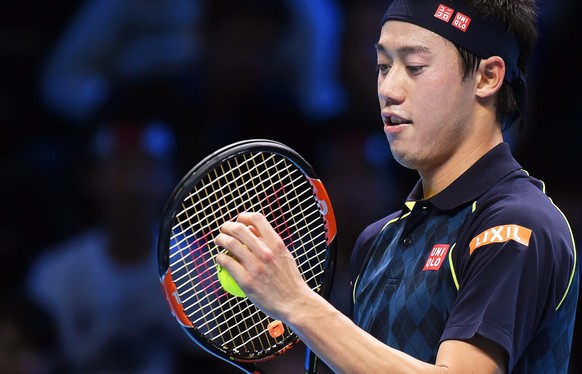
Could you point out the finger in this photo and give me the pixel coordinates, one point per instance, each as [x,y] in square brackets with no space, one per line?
[254,231]
[234,246]
[260,225]
[240,231]
[231,265]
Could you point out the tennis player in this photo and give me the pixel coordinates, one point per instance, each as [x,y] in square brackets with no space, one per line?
[477,273]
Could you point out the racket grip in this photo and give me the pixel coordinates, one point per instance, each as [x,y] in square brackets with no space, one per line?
[310,361]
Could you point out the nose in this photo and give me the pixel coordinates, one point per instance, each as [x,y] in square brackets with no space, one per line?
[390,87]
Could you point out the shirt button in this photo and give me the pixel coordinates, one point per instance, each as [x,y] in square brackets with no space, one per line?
[406,241]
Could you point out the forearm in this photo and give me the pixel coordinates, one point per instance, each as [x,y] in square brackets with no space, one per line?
[343,346]
[263,267]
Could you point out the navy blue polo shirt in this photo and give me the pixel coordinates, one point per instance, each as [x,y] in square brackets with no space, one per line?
[489,255]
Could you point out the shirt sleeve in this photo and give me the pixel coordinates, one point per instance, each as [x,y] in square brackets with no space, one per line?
[512,266]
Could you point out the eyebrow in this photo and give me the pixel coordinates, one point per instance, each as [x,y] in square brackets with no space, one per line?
[403,50]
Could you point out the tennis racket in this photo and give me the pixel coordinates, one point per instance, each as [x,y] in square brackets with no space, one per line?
[253,175]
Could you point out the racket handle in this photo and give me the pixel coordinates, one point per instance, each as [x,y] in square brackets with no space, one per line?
[310,361]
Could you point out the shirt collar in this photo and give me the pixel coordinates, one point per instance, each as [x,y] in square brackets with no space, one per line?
[479,178]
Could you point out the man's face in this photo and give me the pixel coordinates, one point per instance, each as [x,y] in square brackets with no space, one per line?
[426,107]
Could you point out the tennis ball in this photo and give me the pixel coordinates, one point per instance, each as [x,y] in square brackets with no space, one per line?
[228,283]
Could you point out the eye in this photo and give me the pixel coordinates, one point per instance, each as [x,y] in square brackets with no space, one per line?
[415,69]
[382,68]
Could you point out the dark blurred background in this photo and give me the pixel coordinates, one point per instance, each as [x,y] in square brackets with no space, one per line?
[105,104]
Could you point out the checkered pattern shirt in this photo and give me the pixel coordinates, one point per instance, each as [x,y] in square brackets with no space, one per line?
[489,255]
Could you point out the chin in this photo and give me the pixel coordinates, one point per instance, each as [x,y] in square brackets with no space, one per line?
[404,158]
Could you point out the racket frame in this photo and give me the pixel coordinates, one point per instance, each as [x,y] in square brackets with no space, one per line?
[172,206]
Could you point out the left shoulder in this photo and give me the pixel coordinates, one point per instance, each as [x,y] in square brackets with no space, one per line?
[519,199]
[517,212]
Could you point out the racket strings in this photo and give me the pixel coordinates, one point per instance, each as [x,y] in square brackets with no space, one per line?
[220,196]
[201,240]
[262,182]
[301,246]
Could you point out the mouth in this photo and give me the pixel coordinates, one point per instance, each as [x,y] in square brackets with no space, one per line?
[395,121]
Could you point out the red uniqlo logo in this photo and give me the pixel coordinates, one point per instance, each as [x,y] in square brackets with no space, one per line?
[461,22]
[444,13]
[437,257]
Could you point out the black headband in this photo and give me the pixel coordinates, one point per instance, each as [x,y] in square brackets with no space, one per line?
[461,25]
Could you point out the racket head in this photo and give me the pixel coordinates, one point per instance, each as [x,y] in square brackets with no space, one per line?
[258,175]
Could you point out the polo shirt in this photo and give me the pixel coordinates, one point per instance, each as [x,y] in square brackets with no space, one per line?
[489,255]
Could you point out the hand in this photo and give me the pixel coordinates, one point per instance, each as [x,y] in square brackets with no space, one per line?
[261,265]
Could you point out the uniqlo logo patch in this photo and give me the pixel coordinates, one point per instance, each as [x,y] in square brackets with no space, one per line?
[461,21]
[444,13]
[437,257]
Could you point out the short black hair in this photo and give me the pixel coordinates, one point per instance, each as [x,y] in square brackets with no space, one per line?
[520,19]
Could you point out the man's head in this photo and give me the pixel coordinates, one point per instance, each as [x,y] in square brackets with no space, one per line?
[450,79]
[481,29]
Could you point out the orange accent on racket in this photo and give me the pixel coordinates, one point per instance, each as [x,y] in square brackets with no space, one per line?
[276,329]
[173,299]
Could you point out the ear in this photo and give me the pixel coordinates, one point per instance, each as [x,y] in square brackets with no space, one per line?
[492,73]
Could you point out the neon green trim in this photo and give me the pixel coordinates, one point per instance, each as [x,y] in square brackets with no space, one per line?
[543,184]
[451,265]
[354,289]
[410,204]
[573,245]
[575,259]
[392,221]
[453,274]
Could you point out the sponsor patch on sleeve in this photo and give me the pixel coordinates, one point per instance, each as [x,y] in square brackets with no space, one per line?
[501,234]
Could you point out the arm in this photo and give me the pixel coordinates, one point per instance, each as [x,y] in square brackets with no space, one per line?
[267,272]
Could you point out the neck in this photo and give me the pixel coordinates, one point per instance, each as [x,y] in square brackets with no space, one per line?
[437,179]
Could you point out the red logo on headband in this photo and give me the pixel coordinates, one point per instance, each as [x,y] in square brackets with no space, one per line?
[461,21]
[444,13]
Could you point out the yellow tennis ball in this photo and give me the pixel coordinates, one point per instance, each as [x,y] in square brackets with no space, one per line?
[228,283]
